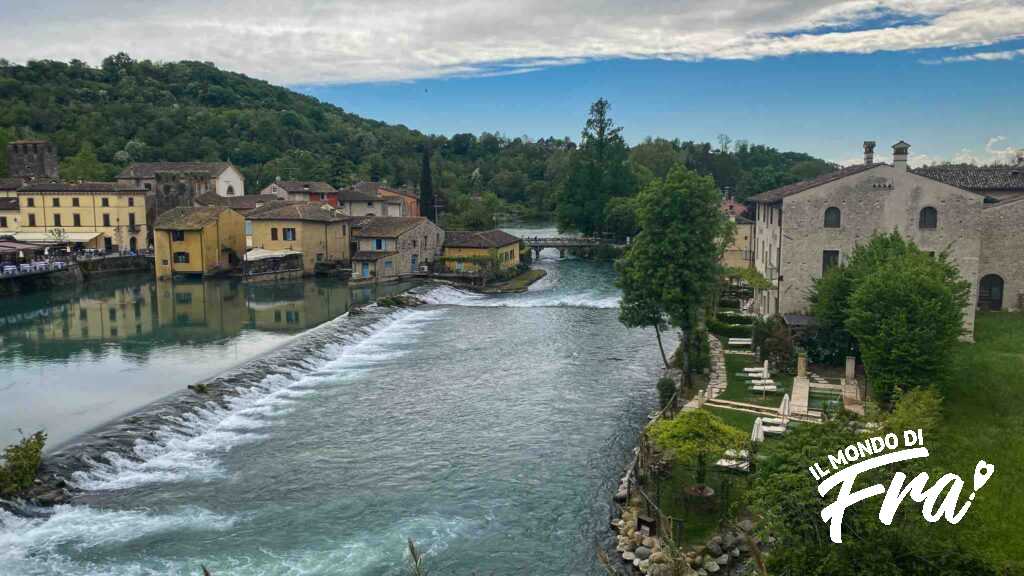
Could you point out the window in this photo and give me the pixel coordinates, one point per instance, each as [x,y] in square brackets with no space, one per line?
[289,233]
[56,220]
[55,202]
[31,220]
[378,244]
[273,233]
[183,297]
[74,202]
[105,202]
[829,260]
[833,218]
[177,235]
[387,265]
[3,221]
[291,316]
[131,220]
[414,243]
[77,218]
[248,227]
[106,219]
[181,257]
[231,190]
[929,218]
[30,202]
[112,314]
[131,201]
[149,187]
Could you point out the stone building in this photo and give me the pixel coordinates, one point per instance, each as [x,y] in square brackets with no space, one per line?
[362,200]
[172,184]
[409,197]
[302,191]
[98,215]
[465,250]
[32,159]
[803,229]
[389,247]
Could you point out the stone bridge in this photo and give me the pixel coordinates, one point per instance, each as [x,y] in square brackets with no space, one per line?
[562,243]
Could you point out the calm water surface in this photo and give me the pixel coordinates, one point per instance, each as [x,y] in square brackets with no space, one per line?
[490,429]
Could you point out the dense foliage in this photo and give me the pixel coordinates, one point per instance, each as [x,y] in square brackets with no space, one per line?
[696,437]
[20,463]
[103,118]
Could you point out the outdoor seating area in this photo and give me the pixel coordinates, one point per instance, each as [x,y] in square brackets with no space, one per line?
[37,267]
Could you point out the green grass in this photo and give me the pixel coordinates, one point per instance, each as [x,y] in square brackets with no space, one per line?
[517,284]
[738,390]
[743,421]
[699,523]
[984,420]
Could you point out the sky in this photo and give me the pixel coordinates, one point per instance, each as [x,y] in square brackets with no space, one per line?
[806,75]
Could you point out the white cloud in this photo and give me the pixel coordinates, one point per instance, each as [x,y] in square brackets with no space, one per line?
[980,57]
[320,41]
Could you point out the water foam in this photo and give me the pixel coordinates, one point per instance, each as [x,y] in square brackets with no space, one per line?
[187,447]
[448,296]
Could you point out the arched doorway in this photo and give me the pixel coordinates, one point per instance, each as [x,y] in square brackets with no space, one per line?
[990,292]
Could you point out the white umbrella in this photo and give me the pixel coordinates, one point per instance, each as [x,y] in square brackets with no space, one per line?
[757,434]
[765,368]
[784,408]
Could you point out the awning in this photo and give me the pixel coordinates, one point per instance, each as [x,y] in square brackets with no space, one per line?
[47,238]
[263,254]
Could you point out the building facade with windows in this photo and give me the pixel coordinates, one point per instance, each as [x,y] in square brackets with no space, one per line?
[318,230]
[173,184]
[97,215]
[388,248]
[802,230]
[198,241]
[360,201]
[465,251]
[302,191]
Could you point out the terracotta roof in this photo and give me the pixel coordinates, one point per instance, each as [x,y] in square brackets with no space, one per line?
[368,255]
[188,217]
[9,203]
[780,193]
[976,178]
[351,194]
[11,183]
[81,187]
[308,211]
[306,186]
[149,169]
[375,188]
[733,208]
[483,239]
[367,192]
[388,226]
[240,204]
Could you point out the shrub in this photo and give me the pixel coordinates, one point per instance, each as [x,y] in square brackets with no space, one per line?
[729,318]
[666,389]
[728,330]
[21,462]
[729,303]
[772,339]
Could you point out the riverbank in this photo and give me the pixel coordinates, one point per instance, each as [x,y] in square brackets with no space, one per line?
[520,283]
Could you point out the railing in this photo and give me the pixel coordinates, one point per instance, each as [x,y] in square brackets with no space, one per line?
[566,241]
[31,268]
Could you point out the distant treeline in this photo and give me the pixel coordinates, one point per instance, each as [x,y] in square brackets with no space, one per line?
[125,111]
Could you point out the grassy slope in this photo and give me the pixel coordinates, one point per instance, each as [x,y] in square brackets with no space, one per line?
[984,420]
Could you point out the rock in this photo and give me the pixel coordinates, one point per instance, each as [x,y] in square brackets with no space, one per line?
[729,541]
[642,552]
[628,556]
[747,526]
[644,566]
[659,570]
[702,572]
[711,566]
[658,557]
[714,548]
[722,560]
[636,562]
[735,553]
[51,498]
[650,542]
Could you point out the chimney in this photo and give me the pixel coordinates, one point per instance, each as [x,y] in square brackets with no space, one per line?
[869,152]
[900,152]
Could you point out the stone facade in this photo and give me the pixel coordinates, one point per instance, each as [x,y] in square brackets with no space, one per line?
[32,159]
[794,240]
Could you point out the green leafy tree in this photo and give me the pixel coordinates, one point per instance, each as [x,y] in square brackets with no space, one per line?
[85,166]
[696,437]
[620,218]
[600,170]
[907,317]
[20,463]
[671,268]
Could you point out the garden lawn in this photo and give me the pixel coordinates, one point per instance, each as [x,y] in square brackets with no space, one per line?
[738,389]
[743,421]
[984,420]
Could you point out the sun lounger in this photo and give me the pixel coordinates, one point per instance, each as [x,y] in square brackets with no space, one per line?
[738,465]
[740,341]
[763,382]
[772,429]
[753,369]
[764,388]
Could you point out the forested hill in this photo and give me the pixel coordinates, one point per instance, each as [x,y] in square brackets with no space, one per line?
[124,111]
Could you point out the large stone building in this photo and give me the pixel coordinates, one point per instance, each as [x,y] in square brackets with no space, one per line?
[29,159]
[97,215]
[389,247]
[172,184]
[803,229]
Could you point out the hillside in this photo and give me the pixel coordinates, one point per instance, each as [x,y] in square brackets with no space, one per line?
[103,118]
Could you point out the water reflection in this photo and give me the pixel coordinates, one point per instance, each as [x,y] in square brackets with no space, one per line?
[74,358]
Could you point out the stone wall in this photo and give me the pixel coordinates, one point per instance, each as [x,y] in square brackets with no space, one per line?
[115,265]
[40,282]
[1002,250]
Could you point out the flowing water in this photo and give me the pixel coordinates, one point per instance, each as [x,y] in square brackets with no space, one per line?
[489,429]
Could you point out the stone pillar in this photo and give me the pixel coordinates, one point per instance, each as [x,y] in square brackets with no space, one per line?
[801,366]
[561,252]
[851,369]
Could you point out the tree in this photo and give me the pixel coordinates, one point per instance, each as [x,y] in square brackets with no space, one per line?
[600,170]
[84,165]
[696,436]
[427,201]
[620,219]
[907,317]
[671,268]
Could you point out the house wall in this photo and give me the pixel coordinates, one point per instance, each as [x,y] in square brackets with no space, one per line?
[879,200]
[766,244]
[1002,250]
[508,257]
[410,205]
[90,210]
[230,183]
[739,254]
[9,220]
[375,208]
[318,241]
[165,248]
[425,241]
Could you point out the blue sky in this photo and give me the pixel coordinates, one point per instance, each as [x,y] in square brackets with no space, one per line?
[811,75]
[823,104]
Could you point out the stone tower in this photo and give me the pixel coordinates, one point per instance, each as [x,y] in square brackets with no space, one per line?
[32,159]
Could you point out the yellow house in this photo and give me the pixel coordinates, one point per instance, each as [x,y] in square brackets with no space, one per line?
[9,215]
[463,251]
[318,230]
[739,252]
[100,215]
[198,240]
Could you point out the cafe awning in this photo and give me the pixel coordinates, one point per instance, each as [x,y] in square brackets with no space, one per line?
[47,238]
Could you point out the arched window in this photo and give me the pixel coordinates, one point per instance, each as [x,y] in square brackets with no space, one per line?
[990,292]
[832,217]
[929,218]
[231,190]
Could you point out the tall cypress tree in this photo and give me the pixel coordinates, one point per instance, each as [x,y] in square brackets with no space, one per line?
[427,187]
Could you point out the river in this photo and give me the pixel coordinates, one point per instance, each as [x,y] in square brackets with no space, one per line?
[489,429]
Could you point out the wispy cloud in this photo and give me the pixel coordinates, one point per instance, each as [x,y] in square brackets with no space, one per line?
[347,41]
[979,57]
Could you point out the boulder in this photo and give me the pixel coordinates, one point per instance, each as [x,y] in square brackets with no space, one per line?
[52,497]
[650,542]
[642,552]
[714,548]
[711,566]
[722,560]
[644,566]
[729,540]
[659,570]
[628,556]
[658,557]
[747,526]
[735,553]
